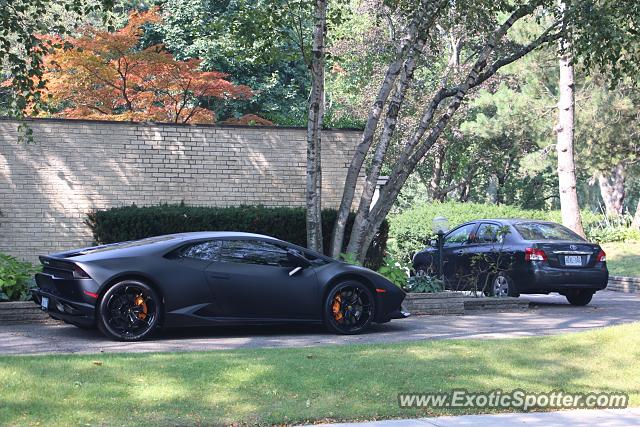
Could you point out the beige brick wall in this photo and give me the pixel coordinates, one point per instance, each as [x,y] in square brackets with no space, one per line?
[47,187]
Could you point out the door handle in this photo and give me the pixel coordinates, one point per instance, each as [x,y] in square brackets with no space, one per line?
[219,276]
[460,252]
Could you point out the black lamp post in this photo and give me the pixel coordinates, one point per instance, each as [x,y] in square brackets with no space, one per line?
[440,227]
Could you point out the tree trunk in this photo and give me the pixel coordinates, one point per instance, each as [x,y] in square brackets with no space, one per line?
[612,191]
[636,218]
[415,147]
[424,16]
[436,176]
[569,206]
[314,129]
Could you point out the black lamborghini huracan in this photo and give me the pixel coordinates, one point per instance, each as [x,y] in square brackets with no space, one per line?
[130,289]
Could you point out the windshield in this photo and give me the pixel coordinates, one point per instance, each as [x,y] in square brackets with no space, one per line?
[546,231]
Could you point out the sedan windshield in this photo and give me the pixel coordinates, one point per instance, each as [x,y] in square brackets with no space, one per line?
[546,231]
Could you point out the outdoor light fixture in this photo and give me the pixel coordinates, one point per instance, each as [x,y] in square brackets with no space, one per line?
[440,225]
[440,228]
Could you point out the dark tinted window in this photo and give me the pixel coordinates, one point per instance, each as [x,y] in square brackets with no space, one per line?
[460,235]
[254,252]
[488,233]
[546,231]
[206,251]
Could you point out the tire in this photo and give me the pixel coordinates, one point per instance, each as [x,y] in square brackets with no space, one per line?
[129,311]
[501,286]
[580,297]
[349,308]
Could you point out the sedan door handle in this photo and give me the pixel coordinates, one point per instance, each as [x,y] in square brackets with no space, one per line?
[219,276]
[459,252]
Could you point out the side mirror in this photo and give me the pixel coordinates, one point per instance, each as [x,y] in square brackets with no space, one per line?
[297,259]
[433,242]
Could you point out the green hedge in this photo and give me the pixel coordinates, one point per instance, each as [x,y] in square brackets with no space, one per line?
[133,222]
[410,229]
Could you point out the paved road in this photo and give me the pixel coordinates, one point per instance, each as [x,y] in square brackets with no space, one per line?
[573,418]
[547,315]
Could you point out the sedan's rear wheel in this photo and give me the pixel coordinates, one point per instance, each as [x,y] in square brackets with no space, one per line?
[349,308]
[579,297]
[502,286]
[129,311]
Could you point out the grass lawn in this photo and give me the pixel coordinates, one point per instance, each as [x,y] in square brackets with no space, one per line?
[623,259]
[269,386]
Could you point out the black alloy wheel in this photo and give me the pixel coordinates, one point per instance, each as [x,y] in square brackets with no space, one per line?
[349,308]
[129,311]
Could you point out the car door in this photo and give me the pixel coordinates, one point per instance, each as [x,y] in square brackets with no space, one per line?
[483,254]
[456,255]
[251,279]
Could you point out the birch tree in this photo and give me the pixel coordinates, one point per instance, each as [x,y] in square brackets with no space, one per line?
[569,206]
[314,129]
[495,52]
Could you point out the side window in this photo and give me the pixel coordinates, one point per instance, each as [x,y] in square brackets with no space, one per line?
[459,235]
[488,233]
[206,251]
[254,252]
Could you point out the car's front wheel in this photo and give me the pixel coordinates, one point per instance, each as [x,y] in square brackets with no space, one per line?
[129,311]
[580,297]
[501,286]
[349,308]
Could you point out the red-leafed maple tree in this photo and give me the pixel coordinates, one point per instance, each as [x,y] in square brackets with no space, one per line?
[104,75]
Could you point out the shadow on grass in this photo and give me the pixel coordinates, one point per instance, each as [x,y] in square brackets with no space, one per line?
[307,384]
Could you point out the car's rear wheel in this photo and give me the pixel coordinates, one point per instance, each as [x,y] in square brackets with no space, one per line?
[129,311]
[579,297]
[349,308]
[501,286]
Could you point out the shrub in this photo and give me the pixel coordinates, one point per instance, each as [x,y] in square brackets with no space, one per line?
[133,222]
[410,230]
[16,278]
[424,284]
[396,272]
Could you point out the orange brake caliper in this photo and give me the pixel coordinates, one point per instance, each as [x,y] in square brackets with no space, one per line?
[140,301]
[335,308]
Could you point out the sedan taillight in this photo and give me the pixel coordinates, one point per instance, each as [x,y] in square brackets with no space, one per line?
[533,254]
[602,257]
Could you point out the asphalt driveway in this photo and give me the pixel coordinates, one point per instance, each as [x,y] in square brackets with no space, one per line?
[547,315]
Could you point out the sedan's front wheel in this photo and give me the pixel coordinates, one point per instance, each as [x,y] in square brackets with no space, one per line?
[129,311]
[349,308]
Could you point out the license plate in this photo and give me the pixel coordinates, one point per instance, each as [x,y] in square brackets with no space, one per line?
[573,260]
[44,303]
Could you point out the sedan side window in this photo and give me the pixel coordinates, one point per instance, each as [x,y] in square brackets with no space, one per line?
[254,252]
[488,233]
[205,251]
[460,235]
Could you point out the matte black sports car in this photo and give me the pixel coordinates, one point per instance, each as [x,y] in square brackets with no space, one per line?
[129,289]
[517,256]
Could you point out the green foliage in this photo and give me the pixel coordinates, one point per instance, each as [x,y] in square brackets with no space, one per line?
[16,278]
[424,284]
[133,222]
[262,44]
[22,49]
[411,229]
[349,258]
[397,272]
[614,229]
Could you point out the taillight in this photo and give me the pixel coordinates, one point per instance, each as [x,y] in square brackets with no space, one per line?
[533,254]
[602,257]
[79,273]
